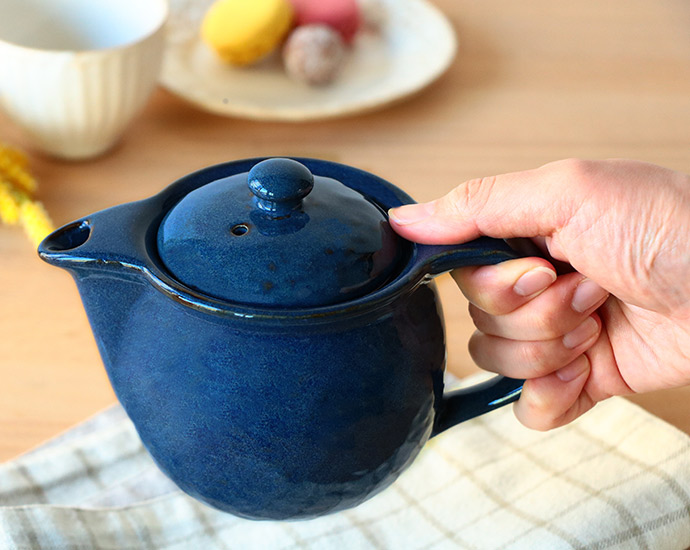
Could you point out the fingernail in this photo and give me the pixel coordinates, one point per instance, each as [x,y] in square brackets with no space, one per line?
[534,281]
[573,370]
[587,295]
[411,213]
[581,334]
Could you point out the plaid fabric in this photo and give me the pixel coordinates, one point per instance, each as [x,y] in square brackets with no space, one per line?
[617,478]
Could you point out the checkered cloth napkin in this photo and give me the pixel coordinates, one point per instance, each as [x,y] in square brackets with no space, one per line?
[617,478]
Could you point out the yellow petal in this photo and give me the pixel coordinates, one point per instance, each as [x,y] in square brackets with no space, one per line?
[35,220]
[15,155]
[9,205]
[15,173]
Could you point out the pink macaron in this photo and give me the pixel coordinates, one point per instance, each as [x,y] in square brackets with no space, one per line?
[341,15]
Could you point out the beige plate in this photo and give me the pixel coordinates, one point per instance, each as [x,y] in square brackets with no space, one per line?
[416,45]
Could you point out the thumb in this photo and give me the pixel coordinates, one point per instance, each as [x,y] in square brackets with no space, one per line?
[532,203]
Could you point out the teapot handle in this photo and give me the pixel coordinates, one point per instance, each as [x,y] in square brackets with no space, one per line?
[463,404]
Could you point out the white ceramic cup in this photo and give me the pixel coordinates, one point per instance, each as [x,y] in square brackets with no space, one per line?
[74,73]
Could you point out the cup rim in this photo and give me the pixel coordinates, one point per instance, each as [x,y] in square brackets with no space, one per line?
[164,18]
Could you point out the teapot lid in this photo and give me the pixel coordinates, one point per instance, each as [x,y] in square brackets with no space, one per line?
[279,236]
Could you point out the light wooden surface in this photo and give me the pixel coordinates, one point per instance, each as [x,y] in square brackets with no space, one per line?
[533,82]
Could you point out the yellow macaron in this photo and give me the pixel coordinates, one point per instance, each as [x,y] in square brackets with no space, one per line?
[241,32]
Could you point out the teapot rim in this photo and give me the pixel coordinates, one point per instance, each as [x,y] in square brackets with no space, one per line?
[140,255]
[410,275]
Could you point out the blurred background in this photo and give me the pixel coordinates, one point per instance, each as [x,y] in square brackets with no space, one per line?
[531,82]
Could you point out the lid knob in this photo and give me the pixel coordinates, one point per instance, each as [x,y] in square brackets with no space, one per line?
[280,185]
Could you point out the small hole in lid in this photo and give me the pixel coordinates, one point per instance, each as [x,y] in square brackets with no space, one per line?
[240,229]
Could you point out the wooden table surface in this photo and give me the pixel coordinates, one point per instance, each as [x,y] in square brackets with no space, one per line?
[533,82]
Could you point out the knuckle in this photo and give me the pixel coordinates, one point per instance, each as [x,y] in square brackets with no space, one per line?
[476,349]
[537,412]
[486,289]
[535,358]
[546,325]
[470,197]
[576,171]
[484,321]
[534,414]
[488,304]
[544,424]
[477,315]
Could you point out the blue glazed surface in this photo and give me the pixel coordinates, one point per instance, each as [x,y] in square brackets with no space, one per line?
[275,424]
[292,241]
[262,411]
[280,185]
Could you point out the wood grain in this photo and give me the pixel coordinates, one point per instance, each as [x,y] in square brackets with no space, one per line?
[533,82]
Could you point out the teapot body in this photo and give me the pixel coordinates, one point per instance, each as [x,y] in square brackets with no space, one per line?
[283,422]
[270,408]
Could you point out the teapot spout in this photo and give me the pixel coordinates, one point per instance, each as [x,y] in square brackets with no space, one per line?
[115,239]
[60,247]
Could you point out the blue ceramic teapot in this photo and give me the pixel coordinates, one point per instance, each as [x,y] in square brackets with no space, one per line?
[278,347]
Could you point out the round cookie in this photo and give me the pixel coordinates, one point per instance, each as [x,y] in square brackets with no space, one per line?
[242,32]
[341,15]
[314,54]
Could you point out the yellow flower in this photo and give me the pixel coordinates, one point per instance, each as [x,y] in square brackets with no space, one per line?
[18,157]
[13,166]
[17,186]
[9,204]
[35,220]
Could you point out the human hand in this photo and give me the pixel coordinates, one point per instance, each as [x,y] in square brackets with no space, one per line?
[617,323]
